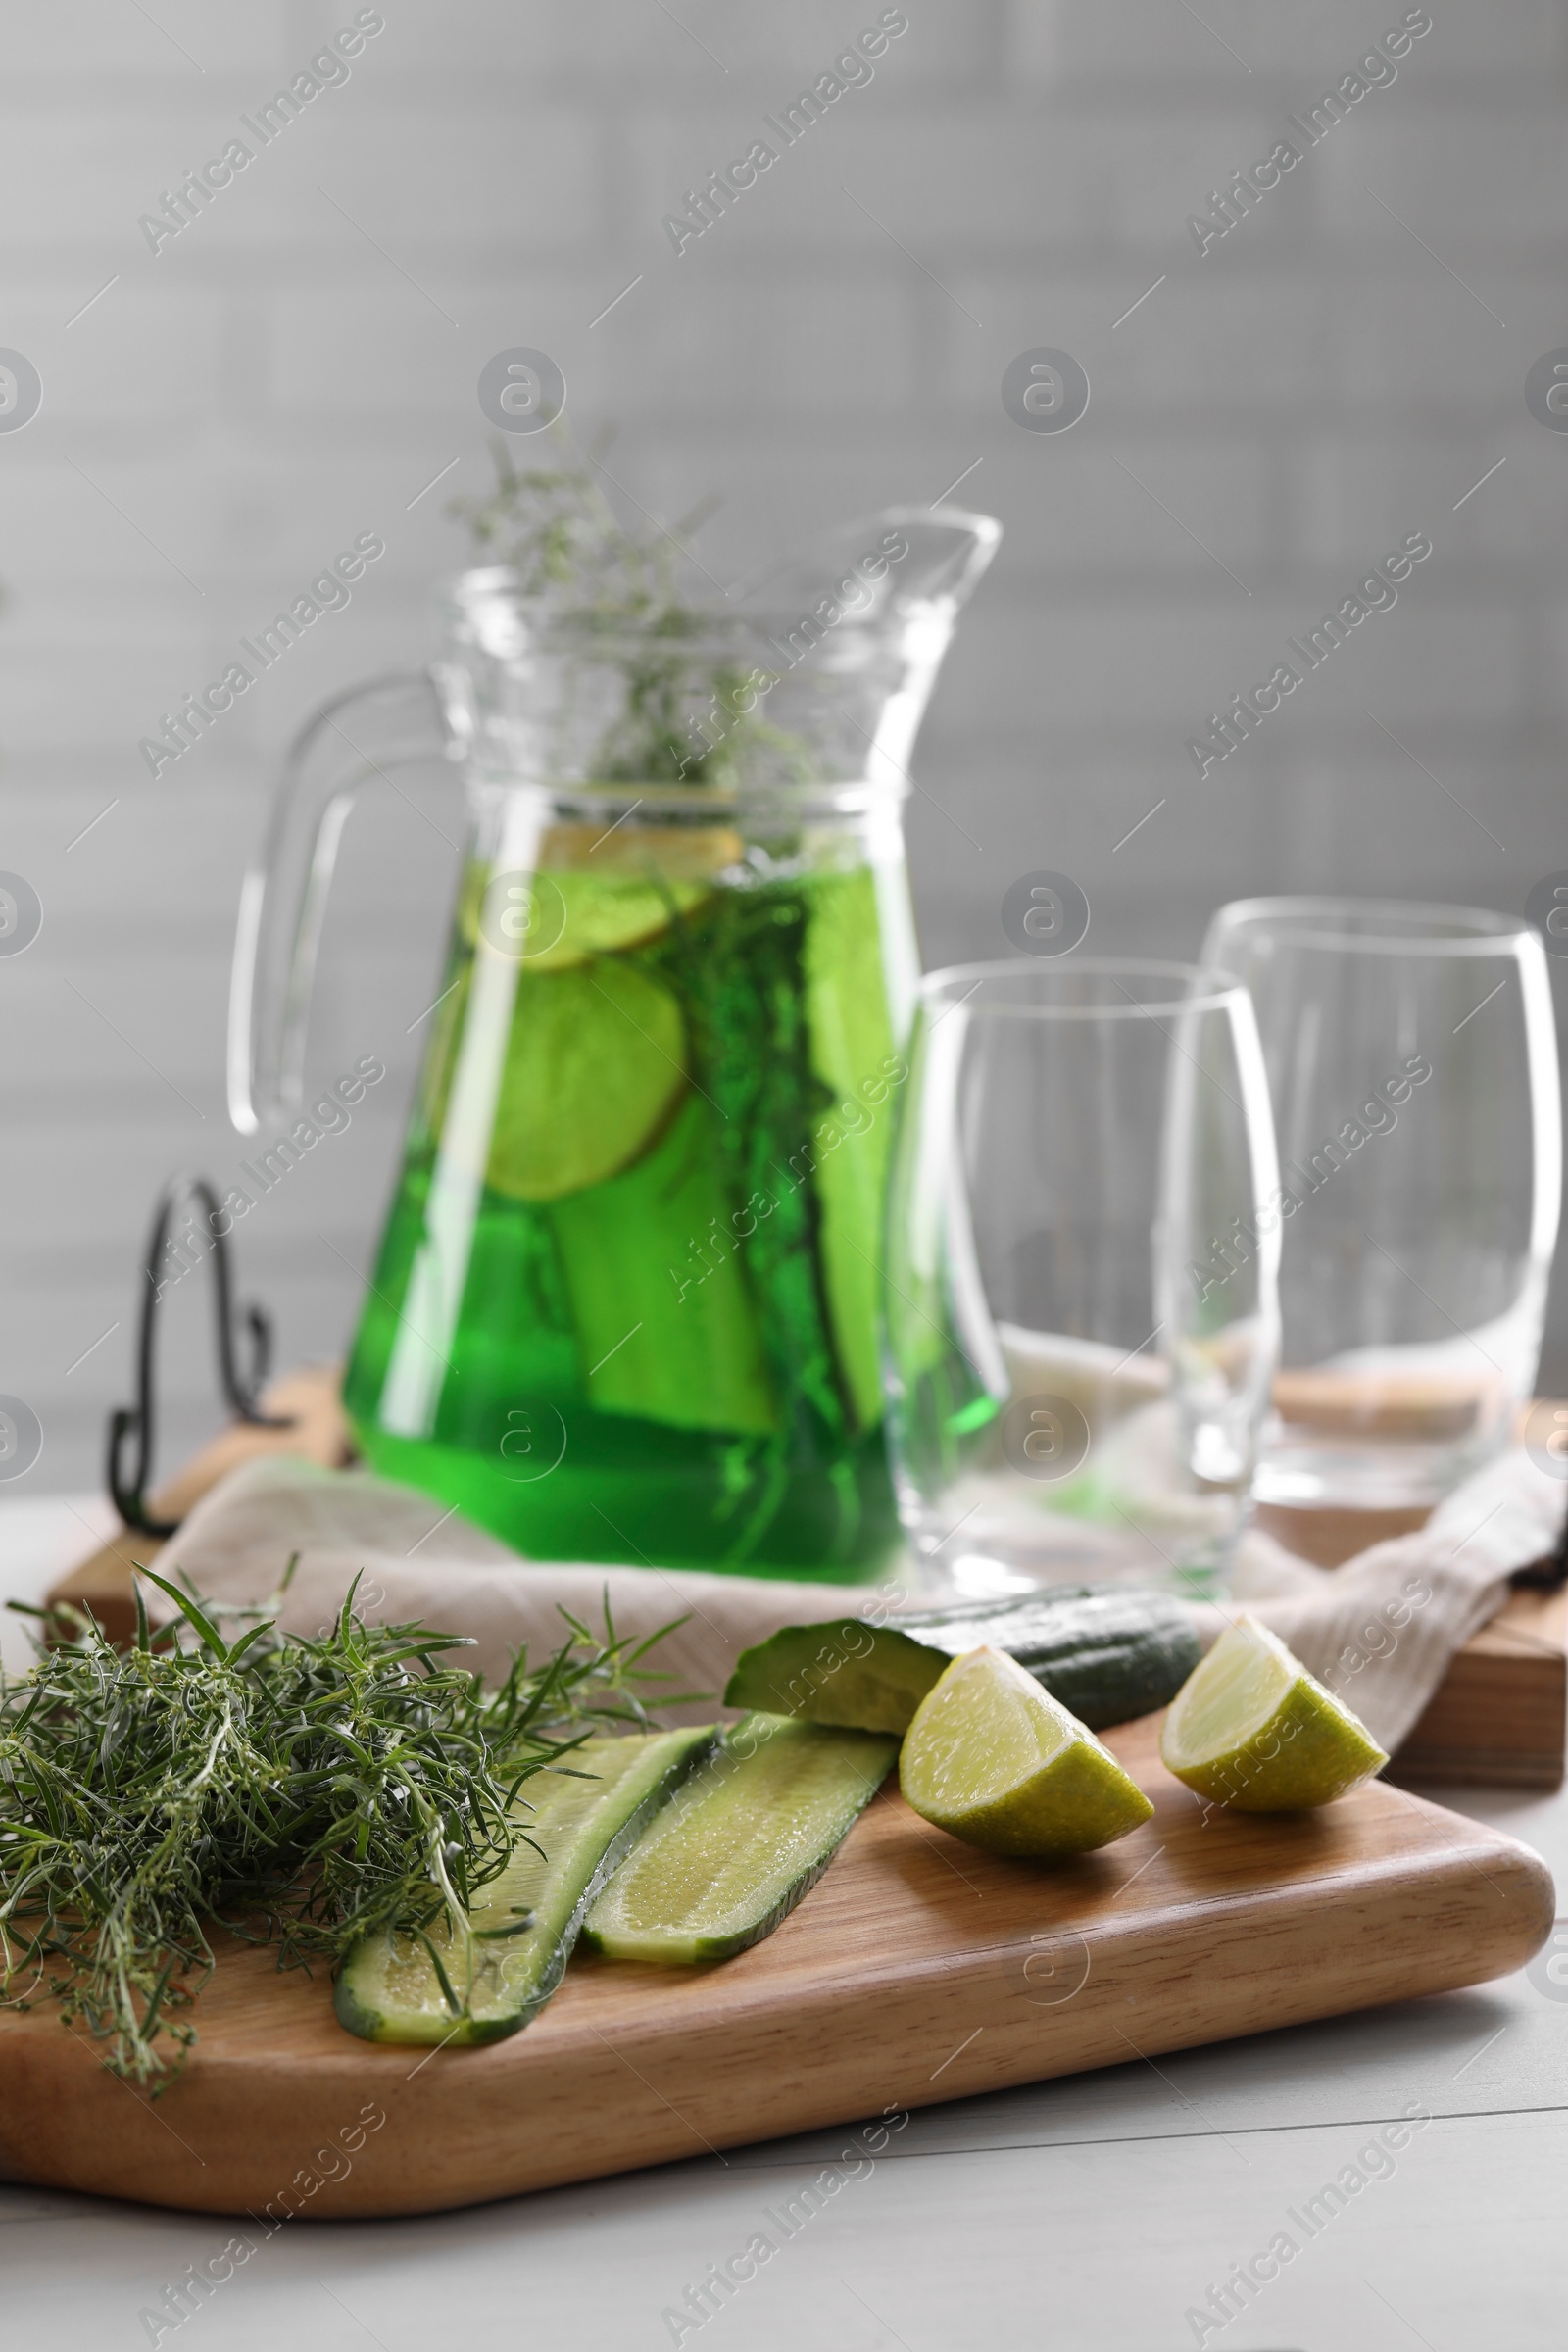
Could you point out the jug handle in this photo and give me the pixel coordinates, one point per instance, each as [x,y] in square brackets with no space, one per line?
[397,722]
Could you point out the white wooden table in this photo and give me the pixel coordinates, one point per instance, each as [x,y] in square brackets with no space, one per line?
[1092,2215]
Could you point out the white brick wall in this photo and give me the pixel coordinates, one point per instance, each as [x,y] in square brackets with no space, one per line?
[279,378]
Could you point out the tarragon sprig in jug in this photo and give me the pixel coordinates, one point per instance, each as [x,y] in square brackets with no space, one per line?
[581,566]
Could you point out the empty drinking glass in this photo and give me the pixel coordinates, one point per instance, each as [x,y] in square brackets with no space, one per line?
[1066,1401]
[1412,1062]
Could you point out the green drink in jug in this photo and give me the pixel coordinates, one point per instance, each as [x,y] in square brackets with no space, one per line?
[666,1340]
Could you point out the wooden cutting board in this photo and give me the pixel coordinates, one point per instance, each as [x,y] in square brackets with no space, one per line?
[916,1970]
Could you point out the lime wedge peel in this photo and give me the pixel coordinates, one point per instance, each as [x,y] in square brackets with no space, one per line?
[994,1759]
[1252,1730]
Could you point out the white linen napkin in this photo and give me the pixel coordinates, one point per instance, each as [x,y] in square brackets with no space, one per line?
[1380,1630]
[415,1561]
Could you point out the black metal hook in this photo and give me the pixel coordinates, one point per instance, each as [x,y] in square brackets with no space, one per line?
[239,1392]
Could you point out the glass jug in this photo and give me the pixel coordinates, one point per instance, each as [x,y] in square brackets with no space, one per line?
[626,1300]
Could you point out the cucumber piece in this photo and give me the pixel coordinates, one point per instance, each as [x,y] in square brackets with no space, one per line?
[1106,1653]
[388,1989]
[659,1337]
[595,1060]
[870,1677]
[751,1832]
[851,1050]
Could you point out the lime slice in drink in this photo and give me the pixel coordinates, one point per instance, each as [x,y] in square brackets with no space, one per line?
[1250,1728]
[598,890]
[596,1062]
[994,1759]
[599,913]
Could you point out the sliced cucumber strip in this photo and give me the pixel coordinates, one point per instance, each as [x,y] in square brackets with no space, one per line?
[664,1333]
[1107,1655]
[389,1988]
[851,1049]
[734,1851]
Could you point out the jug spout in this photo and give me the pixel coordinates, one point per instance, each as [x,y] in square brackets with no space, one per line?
[949,550]
[881,569]
[858,627]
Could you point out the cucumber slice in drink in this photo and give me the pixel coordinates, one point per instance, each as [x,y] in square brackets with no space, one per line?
[595,1060]
[852,1049]
[748,1836]
[1107,1655]
[389,1988]
[665,1333]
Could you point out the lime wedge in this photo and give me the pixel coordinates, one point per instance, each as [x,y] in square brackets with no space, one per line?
[1251,1728]
[994,1759]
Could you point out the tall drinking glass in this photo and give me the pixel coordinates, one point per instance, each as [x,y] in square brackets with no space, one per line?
[1412,1062]
[1065,1400]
